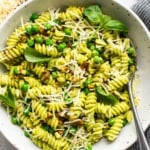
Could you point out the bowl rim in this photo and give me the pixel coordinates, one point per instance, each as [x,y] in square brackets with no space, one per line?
[28,2]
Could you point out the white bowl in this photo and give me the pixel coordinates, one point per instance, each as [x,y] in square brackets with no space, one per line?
[140,37]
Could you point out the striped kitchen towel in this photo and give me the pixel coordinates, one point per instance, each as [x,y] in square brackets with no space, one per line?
[142,9]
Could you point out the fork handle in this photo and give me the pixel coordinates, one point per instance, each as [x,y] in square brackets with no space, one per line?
[143,144]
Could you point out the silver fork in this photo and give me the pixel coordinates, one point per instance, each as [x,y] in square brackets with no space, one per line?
[143,144]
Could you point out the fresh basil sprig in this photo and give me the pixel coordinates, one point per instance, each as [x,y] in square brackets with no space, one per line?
[106,98]
[32,56]
[95,15]
[8,98]
[115,25]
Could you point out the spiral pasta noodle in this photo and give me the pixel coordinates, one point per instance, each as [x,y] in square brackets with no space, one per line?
[71,13]
[97,132]
[12,53]
[50,139]
[90,103]
[43,17]
[58,35]
[6,80]
[103,110]
[39,70]
[115,129]
[32,81]
[120,108]
[118,82]
[37,91]
[14,38]
[25,121]
[35,119]
[46,50]
[53,122]
[39,109]
[56,106]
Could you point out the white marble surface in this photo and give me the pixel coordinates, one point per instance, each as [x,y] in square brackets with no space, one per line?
[4,144]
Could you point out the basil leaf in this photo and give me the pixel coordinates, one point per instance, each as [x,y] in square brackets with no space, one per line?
[93,13]
[7,101]
[104,19]
[9,94]
[96,16]
[106,98]
[32,56]
[115,25]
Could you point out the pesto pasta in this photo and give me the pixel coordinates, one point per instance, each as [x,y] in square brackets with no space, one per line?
[67,76]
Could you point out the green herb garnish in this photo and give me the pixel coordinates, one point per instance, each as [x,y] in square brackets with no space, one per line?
[106,98]
[95,15]
[8,98]
[32,56]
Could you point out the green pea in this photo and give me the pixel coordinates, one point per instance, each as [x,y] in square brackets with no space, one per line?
[24,87]
[87,82]
[14,120]
[51,130]
[39,39]
[30,42]
[34,16]
[49,42]
[125,122]
[131,51]
[101,60]
[86,91]
[15,71]
[19,122]
[46,127]
[35,28]
[67,31]
[100,50]
[89,147]
[88,43]
[95,53]
[28,30]
[111,121]
[131,62]
[54,75]
[68,100]
[26,111]
[98,60]
[61,46]
[92,47]
[26,133]
[48,26]
[94,36]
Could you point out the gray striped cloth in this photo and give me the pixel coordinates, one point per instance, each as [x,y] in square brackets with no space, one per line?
[135,146]
[142,9]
